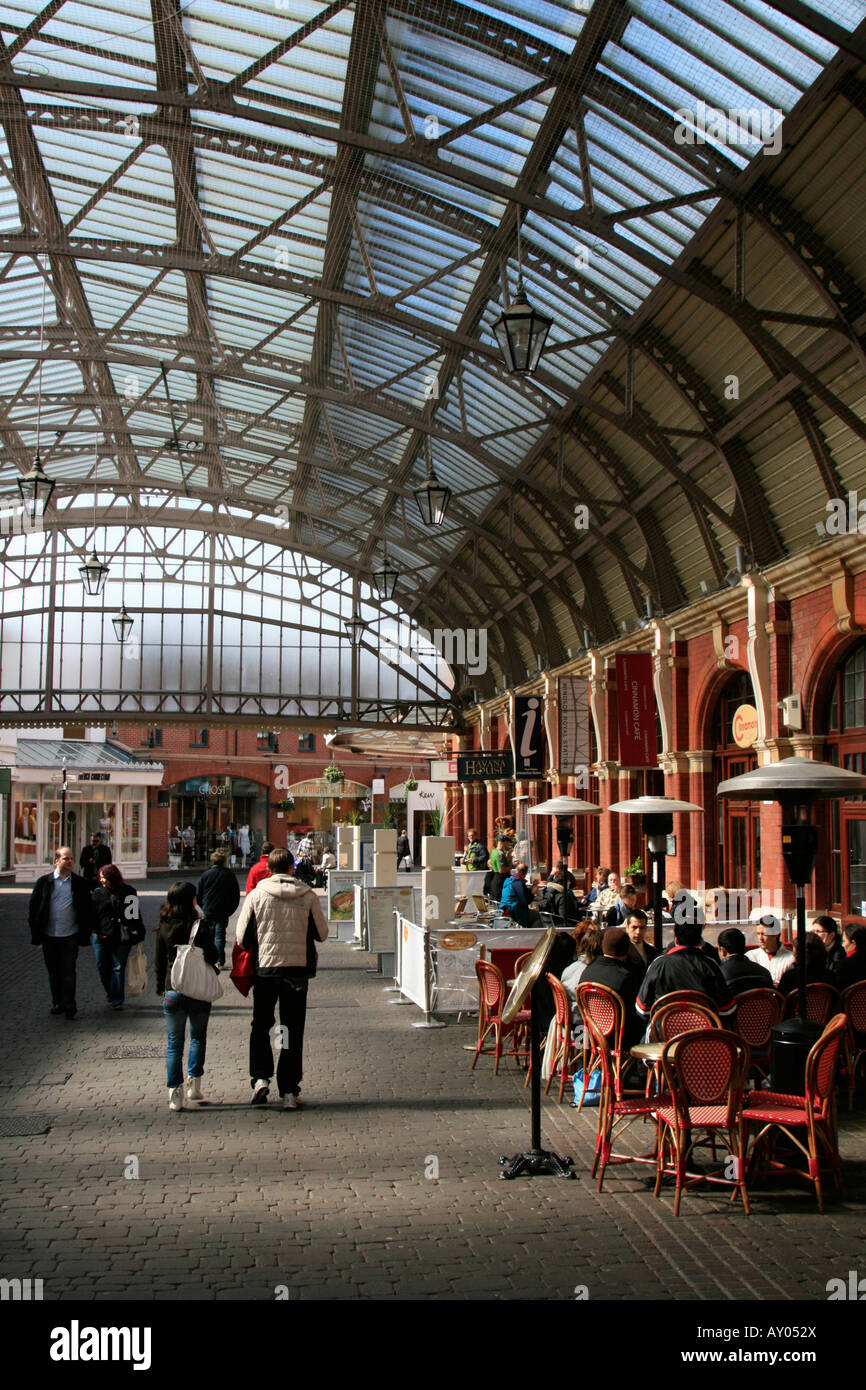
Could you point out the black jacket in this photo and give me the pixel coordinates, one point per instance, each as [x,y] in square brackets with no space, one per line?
[169,937]
[685,967]
[93,858]
[741,974]
[852,971]
[114,915]
[217,893]
[40,908]
[617,975]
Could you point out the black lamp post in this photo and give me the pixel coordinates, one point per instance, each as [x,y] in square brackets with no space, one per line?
[797,784]
[658,822]
[565,808]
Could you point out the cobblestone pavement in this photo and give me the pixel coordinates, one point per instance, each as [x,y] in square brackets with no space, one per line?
[335,1201]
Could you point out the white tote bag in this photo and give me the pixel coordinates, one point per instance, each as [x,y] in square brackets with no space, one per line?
[136,975]
[191,974]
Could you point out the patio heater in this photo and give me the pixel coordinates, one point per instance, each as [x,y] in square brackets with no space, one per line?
[658,823]
[796,783]
[565,808]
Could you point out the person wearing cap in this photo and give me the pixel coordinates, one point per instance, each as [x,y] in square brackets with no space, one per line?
[613,970]
[741,971]
[686,966]
[770,952]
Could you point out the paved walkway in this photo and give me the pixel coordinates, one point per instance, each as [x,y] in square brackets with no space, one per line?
[341,1200]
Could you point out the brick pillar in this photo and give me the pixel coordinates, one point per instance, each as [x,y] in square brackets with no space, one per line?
[489,813]
[454,811]
[677,784]
[703,831]
[609,830]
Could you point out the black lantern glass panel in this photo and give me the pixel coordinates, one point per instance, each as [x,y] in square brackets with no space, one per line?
[93,575]
[521,333]
[35,489]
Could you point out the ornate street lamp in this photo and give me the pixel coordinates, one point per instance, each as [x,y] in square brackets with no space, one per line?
[122,624]
[385,577]
[93,575]
[355,627]
[520,330]
[432,496]
[35,489]
[658,822]
[796,783]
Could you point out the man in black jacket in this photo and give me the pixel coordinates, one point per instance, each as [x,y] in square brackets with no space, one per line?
[740,970]
[686,966]
[613,970]
[827,928]
[62,918]
[218,895]
[93,858]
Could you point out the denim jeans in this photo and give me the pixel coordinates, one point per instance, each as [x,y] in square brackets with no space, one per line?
[219,936]
[111,956]
[177,1009]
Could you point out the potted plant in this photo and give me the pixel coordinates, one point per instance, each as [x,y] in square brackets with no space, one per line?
[436,817]
[334,774]
[287,803]
[635,873]
[411,783]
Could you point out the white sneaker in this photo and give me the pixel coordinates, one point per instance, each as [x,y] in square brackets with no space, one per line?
[175,1097]
[291,1102]
[192,1090]
[260,1092]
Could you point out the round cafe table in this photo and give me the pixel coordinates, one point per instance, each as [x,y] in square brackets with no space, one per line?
[651,1053]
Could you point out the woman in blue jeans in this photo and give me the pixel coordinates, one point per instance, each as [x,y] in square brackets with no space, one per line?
[118,925]
[177,919]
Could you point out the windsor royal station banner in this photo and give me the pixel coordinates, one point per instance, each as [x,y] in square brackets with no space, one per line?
[636,710]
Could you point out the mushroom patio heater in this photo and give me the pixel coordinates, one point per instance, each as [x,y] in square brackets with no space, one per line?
[658,822]
[796,783]
[565,808]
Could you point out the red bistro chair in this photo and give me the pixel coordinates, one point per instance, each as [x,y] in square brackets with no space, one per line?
[822,1001]
[564,1053]
[673,1016]
[492,995]
[758,1012]
[607,1012]
[853,1002]
[615,1114]
[814,1113]
[705,1073]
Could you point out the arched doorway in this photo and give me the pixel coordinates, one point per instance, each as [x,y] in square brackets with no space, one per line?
[737,828]
[845,722]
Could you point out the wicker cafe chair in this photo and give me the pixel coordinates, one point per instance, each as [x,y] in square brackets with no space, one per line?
[853,1003]
[814,1112]
[821,1002]
[564,1053]
[492,995]
[673,1015]
[615,1114]
[705,1073]
[607,1012]
[758,1012]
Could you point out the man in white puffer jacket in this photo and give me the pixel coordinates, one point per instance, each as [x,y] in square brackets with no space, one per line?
[279,921]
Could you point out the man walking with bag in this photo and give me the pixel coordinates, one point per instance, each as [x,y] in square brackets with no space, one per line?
[280,921]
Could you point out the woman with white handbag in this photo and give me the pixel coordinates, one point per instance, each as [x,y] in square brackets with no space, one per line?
[186,955]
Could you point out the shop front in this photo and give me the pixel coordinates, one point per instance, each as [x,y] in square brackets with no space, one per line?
[105,793]
[315,806]
[217,811]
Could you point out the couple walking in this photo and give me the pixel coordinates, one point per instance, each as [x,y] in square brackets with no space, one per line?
[280,921]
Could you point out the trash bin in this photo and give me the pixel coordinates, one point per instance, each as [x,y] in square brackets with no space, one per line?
[792,1042]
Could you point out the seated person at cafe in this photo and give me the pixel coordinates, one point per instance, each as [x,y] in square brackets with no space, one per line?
[740,969]
[588,944]
[641,953]
[816,967]
[770,952]
[686,966]
[613,970]
[608,895]
[599,881]
[854,968]
[517,897]
[827,930]
[686,908]
[553,897]
[618,915]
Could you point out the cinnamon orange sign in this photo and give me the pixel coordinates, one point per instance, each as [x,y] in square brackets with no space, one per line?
[457,940]
[744,725]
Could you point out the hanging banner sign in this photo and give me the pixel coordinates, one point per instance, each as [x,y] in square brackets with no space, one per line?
[636,710]
[744,725]
[484,766]
[573,725]
[528,736]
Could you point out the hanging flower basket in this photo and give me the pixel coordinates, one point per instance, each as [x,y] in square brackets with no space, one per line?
[411,784]
[286,804]
[334,774]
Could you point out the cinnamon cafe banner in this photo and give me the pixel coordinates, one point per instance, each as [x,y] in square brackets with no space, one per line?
[636,710]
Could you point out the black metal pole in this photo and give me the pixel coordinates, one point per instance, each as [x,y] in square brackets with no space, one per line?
[535,1076]
[63,810]
[801,950]
[658,883]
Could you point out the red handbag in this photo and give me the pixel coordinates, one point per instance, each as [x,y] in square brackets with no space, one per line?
[243,969]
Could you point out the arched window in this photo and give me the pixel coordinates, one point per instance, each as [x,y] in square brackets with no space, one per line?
[736,833]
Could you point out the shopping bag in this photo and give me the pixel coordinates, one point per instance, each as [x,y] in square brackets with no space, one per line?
[136,972]
[191,975]
[593,1087]
[243,969]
